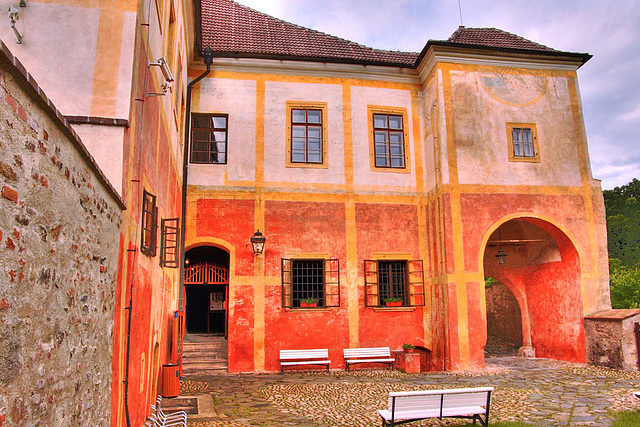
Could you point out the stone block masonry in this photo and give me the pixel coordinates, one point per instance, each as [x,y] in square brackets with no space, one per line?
[59,237]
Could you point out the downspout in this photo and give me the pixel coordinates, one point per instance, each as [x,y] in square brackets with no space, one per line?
[208,60]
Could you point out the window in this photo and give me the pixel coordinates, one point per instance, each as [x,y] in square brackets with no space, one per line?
[149,224]
[209,138]
[306,134]
[388,137]
[523,142]
[306,280]
[398,280]
[169,231]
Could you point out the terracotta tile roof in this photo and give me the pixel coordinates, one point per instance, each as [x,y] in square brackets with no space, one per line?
[237,30]
[494,37]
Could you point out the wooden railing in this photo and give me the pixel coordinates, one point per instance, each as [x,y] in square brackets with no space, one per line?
[206,274]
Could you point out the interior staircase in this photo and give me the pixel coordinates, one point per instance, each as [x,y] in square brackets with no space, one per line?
[204,354]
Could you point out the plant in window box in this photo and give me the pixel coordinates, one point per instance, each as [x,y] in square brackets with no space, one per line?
[308,302]
[408,348]
[393,302]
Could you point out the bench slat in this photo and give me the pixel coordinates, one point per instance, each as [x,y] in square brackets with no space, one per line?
[307,362]
[319,353]
[367,352]
[432,413]
[352,361]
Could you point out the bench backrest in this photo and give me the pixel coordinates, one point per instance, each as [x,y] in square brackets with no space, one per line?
[433,399]
[351,353]
[318,353]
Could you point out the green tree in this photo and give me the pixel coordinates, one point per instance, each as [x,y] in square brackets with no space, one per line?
[625,285]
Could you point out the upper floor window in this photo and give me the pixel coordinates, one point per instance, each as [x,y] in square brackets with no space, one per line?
[523,142]
[209,138]
[310,283]
[306,134]
[148,241]
[388,137]
[394,283]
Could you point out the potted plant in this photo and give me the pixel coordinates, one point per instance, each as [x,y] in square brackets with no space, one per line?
[308,302]
[393,302]
[408,348]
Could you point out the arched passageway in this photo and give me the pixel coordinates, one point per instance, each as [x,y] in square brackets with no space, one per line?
[537,289]
[206,285]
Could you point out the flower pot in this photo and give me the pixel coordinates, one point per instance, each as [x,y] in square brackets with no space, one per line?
[409,350]
[393,303]
[308,304]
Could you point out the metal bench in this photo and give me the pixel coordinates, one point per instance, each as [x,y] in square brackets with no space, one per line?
[353,356]
[469,403]
[318,356]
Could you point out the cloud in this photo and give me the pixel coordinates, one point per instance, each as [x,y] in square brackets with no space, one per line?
[631,115]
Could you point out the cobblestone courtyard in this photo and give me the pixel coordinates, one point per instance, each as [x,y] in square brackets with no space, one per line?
[538,391]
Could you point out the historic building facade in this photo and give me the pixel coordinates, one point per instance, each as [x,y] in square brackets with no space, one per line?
[389,186]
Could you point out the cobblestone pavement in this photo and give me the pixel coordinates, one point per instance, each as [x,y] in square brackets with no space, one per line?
[538,391]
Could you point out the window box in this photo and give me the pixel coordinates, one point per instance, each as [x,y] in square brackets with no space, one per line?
[393,303]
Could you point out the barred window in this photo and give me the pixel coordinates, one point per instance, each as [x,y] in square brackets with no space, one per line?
[310,283]
[148,241]
[394,282]
[209,138]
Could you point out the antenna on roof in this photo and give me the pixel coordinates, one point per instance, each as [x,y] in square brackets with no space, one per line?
[460,10]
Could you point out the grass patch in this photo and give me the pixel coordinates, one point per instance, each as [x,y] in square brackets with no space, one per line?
[625,419]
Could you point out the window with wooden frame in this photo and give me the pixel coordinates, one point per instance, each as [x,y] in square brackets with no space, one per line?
[307,135]
[169,243]
[209,138]
[388,282]
[523,142]
[388,139]
[309,281]
[148,243]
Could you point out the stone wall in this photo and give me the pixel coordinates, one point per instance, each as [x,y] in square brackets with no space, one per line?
[611,339]
[59,241]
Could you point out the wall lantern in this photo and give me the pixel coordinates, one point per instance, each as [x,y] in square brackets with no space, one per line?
[502,256]
[257,241]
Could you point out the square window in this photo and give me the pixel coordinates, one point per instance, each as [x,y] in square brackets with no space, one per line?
[209,138]
[523,142]
[394,283]
[310,283]
[306,135]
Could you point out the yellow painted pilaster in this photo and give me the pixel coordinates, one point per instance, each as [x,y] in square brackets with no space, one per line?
[259,290]
[350,223]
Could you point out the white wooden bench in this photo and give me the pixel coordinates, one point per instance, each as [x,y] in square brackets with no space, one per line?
[318,356]
[470,403]
[353,356]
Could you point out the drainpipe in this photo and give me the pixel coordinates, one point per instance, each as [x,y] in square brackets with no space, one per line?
[208,60]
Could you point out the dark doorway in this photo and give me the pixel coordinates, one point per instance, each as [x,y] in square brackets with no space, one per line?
[206,288]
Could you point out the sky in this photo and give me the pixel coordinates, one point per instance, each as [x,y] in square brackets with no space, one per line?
[607,29]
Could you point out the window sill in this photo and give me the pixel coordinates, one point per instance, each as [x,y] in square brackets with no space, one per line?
[394,308]
[308,310]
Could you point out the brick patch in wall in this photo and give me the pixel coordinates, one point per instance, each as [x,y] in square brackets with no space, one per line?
[9,193]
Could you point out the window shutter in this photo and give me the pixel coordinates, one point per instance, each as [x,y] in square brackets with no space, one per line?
[416,283]
[332,282]
[154,230]
[287,283]
[371,292]
[169,243]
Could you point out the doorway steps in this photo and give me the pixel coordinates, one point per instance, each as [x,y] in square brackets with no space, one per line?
[204,354]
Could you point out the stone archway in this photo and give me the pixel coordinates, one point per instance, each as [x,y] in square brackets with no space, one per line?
[540,266]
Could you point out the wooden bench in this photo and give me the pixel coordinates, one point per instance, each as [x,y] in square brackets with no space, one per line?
[354,356]
[318,356]
[470,403]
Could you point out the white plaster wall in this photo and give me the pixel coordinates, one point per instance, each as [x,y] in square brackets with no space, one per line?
[361,97]
[275,133]
[443,149]
[428,114]
[481,136]
[237,98]
[105,143]
[61,61]
[125,72]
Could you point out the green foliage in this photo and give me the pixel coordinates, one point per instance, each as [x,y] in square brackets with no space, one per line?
[623,223]
[407,346]
[625,419]
[625,285]
[489,281]
[393,299]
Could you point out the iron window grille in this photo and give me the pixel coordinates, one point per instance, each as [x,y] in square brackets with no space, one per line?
[394,279]
[169,243]
[209,138]
[310,278]
[388,137]
[306,135]
[149,239]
